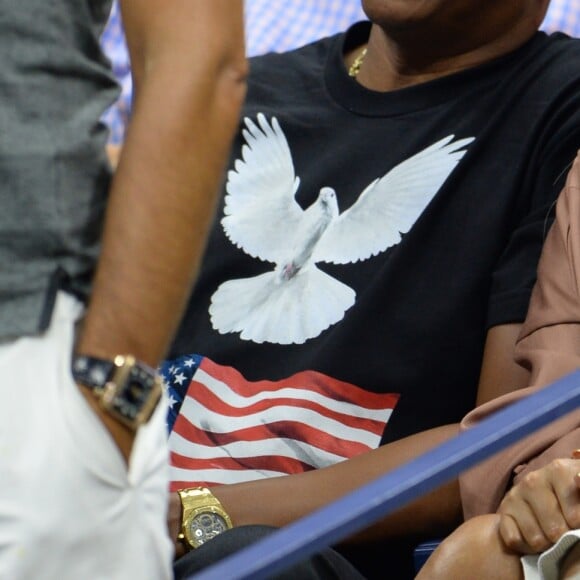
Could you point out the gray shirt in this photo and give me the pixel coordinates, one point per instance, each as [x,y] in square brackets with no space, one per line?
[54,176]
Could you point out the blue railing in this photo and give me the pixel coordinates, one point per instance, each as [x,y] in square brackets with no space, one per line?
[375,500]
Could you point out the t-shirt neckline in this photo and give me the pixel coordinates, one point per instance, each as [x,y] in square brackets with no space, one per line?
[359,100]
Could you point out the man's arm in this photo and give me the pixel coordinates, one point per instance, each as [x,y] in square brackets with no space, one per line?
[189,70]
[500,374]
[437,513]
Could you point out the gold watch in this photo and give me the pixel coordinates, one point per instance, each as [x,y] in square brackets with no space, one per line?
[126,388]
[204,517]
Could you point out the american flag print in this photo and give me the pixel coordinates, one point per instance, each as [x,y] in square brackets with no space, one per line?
[226,429]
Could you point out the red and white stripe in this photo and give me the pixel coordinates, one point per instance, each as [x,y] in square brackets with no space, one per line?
[231,430]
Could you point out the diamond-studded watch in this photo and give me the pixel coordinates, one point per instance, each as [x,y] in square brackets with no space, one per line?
[204,517]
[127,389]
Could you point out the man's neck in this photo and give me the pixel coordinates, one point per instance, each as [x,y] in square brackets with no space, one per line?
[394,64]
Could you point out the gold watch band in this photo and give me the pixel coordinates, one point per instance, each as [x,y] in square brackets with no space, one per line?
[197,502]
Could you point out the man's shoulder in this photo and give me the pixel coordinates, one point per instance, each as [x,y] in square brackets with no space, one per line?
[546,67]
[559,52]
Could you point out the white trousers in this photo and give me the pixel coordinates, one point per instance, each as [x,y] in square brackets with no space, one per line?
[69,507]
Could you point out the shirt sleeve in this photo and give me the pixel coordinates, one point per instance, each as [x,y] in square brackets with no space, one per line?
[516,270]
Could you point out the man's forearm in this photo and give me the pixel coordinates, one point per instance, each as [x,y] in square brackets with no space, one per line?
[436,513]
[169,173]
[259,501]
[165,188]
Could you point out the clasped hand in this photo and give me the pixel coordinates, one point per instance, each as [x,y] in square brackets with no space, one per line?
[542,506]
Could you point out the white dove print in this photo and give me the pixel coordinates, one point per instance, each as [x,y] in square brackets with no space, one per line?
[296,301]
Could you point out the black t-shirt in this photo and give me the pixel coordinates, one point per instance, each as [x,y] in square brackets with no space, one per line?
[393,323]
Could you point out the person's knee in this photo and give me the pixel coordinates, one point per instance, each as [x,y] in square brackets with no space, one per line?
[469,541]
[474,546]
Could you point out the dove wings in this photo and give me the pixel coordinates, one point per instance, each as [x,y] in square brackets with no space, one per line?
[297,301]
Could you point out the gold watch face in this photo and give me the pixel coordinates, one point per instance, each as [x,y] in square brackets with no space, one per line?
[132,394]
[205,526]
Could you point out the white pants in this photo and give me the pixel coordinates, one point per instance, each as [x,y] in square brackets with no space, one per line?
[69,507]
[546,566]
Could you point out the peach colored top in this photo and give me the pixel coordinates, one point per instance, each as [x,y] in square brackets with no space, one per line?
[549,345]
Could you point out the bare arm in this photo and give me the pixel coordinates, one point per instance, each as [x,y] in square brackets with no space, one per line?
[258,502]
[189,69]
[437,513]
[500,374]
[304,493]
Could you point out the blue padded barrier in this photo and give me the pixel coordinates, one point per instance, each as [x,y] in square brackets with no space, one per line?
[373,501]
[422,552]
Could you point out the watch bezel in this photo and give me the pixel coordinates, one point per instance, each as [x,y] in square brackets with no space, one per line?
[116,391]
[195,513]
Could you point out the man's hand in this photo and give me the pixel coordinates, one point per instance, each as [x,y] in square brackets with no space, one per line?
[541,507]
[122,435]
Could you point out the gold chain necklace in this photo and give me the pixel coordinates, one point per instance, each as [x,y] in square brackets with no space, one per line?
[355,66]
